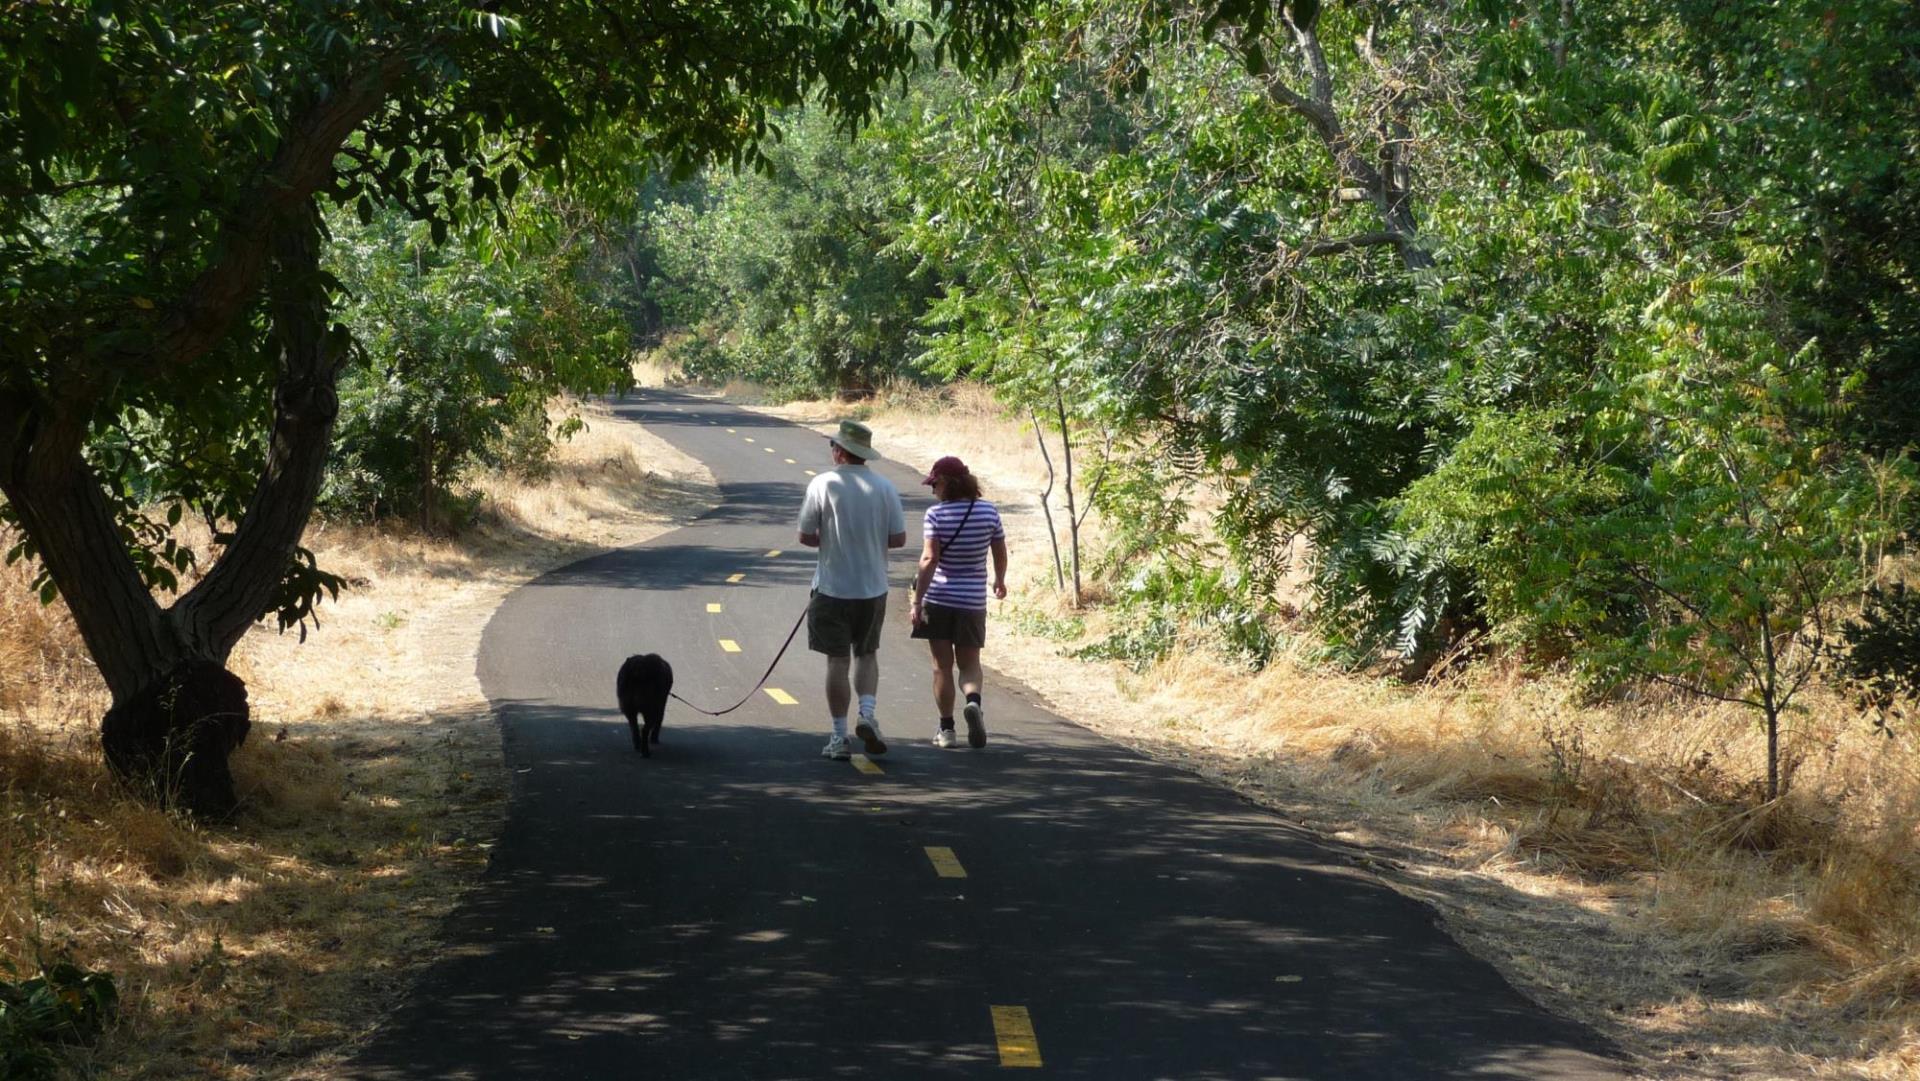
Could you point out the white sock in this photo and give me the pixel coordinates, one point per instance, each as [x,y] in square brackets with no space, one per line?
[866,704]
[840,727]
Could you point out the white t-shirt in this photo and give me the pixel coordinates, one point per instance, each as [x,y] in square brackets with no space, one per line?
[854,510]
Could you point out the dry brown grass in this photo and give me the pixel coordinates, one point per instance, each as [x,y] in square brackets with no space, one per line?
[371,786]
[1614,862]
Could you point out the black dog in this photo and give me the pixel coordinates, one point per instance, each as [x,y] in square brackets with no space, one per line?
[645,681]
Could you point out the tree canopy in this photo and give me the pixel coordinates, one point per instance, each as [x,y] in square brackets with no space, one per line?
[167,325]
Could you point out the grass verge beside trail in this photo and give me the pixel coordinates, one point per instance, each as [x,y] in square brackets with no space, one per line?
[371,784]
[1614,862]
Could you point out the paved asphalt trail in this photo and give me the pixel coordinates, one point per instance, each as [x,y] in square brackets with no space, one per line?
[738,907]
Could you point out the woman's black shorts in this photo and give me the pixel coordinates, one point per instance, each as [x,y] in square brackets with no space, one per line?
[961,626]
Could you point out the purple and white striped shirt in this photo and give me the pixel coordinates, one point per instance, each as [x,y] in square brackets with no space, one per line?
[960,577]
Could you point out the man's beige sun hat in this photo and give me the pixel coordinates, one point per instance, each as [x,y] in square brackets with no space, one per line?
[856,439]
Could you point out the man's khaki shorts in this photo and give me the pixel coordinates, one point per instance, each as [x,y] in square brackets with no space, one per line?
[838,627]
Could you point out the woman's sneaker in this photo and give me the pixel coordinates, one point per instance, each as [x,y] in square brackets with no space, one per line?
[945,738]
[837,749]
[976,724]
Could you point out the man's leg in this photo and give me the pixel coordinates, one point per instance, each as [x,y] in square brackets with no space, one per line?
[866,683]
[827,635]
[839,694]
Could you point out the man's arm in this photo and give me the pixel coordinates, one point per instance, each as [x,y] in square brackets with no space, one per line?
[897,518]
[809,523]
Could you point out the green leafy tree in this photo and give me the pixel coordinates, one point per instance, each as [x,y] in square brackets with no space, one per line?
[1154,244]
[463,348]
[1713,551]
[1323,251]
[162,172]
[790,272]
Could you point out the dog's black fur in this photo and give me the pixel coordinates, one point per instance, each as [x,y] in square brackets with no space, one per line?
[644,683]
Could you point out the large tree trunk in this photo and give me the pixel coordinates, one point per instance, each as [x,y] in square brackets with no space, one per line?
[177,712]
[62,509]
[242,586]
[175,717]
[171,740]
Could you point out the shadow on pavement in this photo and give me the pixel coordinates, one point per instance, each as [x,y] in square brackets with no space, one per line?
[708,913]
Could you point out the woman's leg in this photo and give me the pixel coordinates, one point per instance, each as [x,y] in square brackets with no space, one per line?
[968,658]
[943,674]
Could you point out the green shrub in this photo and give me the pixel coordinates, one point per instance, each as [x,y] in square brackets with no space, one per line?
[1880,658]
[1169,603]
[64,1004]
[1055,628]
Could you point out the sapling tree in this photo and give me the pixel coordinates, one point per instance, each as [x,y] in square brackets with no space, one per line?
[1698,528]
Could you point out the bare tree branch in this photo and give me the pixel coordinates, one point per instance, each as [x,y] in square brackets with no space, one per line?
[1349,243]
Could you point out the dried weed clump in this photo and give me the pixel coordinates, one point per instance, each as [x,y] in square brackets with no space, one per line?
[1616,860]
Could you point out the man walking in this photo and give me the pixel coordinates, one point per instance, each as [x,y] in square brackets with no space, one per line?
[853,516]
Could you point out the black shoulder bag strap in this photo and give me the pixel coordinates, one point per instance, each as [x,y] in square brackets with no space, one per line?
[961,528]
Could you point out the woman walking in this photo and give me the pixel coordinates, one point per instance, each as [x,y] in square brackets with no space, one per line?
[950,593]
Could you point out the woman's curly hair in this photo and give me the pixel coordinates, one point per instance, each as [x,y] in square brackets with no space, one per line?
[964,486]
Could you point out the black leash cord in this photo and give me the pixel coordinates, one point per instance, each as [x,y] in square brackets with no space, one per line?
[763,677]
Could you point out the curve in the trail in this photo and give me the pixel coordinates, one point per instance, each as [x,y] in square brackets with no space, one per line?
[739,907]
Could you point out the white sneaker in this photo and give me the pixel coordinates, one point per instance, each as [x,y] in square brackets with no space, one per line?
[945,738]
[976,725]
[837,750]
[869,732]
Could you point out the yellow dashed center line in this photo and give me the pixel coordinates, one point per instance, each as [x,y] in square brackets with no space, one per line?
[945,863]
[769,450]
[1013,1030]
[735,577]
[811,473]
[790,461]
[731,431]
[714,608]
[782,697]
[773,553]
[748,438]
[866,765]
[729,645]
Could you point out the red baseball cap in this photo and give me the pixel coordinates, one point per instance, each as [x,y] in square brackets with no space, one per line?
[945,467]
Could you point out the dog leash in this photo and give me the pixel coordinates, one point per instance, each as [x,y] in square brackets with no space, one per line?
[763,677]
